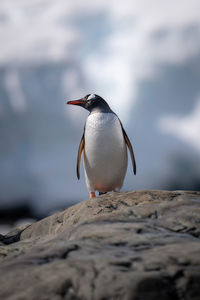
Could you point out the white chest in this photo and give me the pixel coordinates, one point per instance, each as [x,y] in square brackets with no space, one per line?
[105,153]
[103,131]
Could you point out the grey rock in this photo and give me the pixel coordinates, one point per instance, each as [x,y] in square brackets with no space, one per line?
[129,245]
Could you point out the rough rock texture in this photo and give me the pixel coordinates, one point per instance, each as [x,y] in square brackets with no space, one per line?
[130,245]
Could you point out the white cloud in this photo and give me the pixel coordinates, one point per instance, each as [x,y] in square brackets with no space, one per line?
[186,128]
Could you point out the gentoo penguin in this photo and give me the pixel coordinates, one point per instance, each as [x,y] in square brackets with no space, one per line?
[104,145]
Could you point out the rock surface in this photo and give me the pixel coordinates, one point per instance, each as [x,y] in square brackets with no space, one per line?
[129,245]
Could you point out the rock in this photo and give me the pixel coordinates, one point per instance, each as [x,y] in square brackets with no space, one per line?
[130,245]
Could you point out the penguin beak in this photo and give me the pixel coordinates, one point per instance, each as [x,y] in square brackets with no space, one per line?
[80,102]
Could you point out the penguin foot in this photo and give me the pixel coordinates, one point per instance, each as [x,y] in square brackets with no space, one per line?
[92,195]
[102,193]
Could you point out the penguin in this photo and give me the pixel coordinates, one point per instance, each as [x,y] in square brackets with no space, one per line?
[104,146]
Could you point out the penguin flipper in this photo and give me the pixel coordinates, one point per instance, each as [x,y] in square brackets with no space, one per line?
[128,143]
[80,150]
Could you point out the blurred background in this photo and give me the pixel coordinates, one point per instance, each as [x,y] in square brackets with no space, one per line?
[143,57]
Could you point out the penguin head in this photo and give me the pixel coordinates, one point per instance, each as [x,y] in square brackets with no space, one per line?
[91,102]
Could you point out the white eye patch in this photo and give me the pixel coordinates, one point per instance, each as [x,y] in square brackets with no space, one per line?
[92,96]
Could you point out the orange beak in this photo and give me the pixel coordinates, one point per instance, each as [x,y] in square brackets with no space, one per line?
[76,102]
